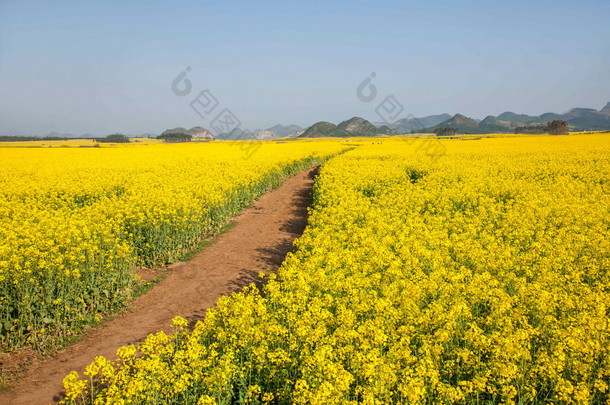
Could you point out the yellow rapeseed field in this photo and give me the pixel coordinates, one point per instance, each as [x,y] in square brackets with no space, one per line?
[76,222]
[478,277]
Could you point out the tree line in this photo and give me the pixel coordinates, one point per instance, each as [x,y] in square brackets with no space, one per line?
[18,138]
[557,127]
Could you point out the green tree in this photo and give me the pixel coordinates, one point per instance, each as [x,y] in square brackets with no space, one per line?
[178,137]
[115,138]
[558,127]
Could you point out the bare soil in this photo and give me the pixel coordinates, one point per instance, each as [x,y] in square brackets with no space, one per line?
[259,241]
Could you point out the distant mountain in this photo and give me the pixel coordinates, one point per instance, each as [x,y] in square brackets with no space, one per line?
[237,134]
[494,121]
[195,132]
[584,118]
[263,135]
[550,116]
[357,126]
[459,121]
[467,125]
[580,112]
[324,129]
[509,116]
[276,131]
[495,124]
[201,133]
[354,127]
[577,118]
[406,125]
[282,131]
[432,120]
[386,130]
[177,130]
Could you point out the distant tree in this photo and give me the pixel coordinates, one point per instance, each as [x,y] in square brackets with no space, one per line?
[558,127]
[386,130]
[174,138]
[16,138]
[531,129]
[114,138]
[445,131]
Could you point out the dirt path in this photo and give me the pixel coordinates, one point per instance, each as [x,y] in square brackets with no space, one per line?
[262,236]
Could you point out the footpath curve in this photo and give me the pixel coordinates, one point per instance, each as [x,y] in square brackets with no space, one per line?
[259,241]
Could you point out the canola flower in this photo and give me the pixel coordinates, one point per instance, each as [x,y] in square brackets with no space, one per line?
[477,278]
[75,223]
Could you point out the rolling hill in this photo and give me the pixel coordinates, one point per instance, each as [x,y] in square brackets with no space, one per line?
[467,125]
[195,132]
[407,125]
[324,129]
[354,127]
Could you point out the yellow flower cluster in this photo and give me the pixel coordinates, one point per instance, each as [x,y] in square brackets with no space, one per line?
[74,223]
[480,277]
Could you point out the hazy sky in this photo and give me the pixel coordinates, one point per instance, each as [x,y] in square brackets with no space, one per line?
[107,66]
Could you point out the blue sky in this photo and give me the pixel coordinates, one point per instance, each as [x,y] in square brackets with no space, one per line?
[107,66]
